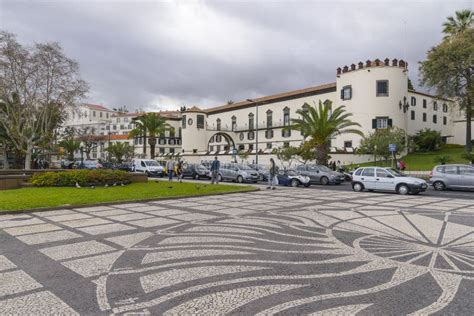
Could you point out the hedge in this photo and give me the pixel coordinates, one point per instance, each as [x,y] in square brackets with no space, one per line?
[82,177]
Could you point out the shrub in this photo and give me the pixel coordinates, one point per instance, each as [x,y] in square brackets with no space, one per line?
[83,177]
[427,140]
[468,156]
[442,159]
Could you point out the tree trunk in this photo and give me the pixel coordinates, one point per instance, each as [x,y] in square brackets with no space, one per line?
[5,158]
[152,142]
[468,125]
[321,154]
[28,155]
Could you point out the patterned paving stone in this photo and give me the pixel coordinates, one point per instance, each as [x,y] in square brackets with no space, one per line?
[105,229]
[31,229]
[41,303]
[42,238]
[79,249]
[6,264]
[269,252]
[16,282]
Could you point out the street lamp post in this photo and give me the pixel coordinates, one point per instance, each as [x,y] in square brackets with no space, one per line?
[256,130]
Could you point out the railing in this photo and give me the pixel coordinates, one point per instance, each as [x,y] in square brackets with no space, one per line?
[245,128]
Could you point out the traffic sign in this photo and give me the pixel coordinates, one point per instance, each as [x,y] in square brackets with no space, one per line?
[392,147]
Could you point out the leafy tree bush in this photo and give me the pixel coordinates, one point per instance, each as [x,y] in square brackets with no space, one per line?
[443,159]
[377,143]
[468,156]
[82,177]
[427,140]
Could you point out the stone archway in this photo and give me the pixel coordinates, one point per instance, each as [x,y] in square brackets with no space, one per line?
[220,140]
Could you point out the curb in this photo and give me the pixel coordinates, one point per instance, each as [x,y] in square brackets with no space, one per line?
[68,207]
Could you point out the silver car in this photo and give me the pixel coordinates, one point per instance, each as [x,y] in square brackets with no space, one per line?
[452,177]
[319,174]
[238,172]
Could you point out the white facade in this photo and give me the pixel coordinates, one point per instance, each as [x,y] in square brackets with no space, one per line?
[375,92]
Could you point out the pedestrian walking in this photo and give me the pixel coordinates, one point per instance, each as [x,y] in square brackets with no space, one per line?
[170,168]
[402,165]
[179,170]
[215,165]
[272,174]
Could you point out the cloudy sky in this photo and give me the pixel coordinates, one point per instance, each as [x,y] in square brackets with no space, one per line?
[163,54]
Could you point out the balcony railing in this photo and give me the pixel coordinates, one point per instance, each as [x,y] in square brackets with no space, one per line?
[245,128]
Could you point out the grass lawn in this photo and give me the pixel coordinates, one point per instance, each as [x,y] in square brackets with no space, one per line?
[423,161]
[36,197]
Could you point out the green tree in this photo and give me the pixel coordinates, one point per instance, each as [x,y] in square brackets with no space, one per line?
[243,155]
[320,124]
[459,23]
[410,85]
[427,140]
[377,143]
[286,154]
[70,145]
[449,66]
[120,151]
[152,125]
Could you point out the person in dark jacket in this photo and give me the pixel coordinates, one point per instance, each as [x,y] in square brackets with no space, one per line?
[215,166]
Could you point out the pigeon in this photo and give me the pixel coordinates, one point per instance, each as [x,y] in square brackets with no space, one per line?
[92,186]
[106,185]
[122,184]
[115,184]
[77,185]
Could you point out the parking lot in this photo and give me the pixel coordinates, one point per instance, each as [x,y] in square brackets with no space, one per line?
[289,251]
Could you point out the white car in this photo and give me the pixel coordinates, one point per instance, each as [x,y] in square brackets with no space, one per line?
[386,179]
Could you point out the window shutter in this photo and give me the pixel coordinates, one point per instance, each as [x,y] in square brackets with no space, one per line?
[374,124]
[389,122]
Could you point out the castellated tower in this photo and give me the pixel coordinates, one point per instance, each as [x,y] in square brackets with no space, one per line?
[375,92]
[194,131]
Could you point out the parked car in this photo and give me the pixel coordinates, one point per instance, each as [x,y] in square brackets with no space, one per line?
[195,171]
[87,164]
[263,172]
[292,178]
[386,179]
[452,177]
[319,174]
[237,172]
[148,166]
[124,166]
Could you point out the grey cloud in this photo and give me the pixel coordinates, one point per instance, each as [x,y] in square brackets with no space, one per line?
[153,54]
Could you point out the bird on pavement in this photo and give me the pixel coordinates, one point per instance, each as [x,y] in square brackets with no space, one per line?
[77,185]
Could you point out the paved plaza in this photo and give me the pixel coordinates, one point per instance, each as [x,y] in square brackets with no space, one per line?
[288,251]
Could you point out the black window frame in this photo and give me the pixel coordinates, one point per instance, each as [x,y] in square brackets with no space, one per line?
[382,94]
[269,119]
[413,101]
[445,120]
[343,92]
[425,117]
[435,119]
[412,115]
[200,121]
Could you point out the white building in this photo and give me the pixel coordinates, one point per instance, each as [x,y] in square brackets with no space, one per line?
[375,92]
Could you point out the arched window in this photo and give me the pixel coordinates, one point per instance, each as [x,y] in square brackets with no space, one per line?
[251,121]
[218,124]
[234,123]
[269,118]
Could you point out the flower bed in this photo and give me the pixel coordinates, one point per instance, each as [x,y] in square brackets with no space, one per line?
[82,177]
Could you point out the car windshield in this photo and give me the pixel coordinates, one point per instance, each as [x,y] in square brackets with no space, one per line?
[291,173]
[244,167]
[324,168]
[395,172]
[151,163]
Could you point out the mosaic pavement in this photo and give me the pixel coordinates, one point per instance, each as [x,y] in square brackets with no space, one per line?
[286,252]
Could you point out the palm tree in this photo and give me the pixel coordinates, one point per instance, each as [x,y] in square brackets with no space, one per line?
[153,125]
[459,23]
[70,145]
[120,150]
[320,124]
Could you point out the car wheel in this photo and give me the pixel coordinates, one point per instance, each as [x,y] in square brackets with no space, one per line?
[324,181]
[294,183]
[240,179]
[196,176]
[403,189]
[357,187]
[439,186]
